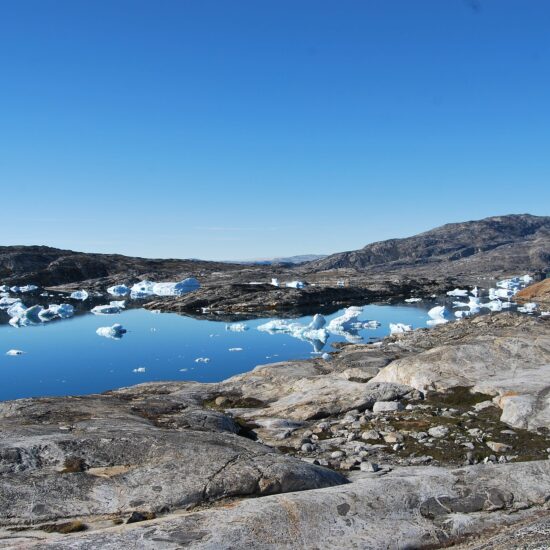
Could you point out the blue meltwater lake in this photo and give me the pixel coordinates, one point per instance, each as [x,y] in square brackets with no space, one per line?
[67,357]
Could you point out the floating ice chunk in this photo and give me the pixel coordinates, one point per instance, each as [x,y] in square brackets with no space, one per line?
[493,305]
[4,288]
[139,369]
[399,328]
[235,349]
[110,309]
[115,332]
[457,292]
[118,303]
[176,289]
[413,300]
[527,279]
[345,321]
[371,324]
[118,290]
[529,308]
[326,356]
[274,281]
[14,352]
[22,316]
[143,289]
[203,359]
[437,315]
[237,327]
[79,295]
[295,284]
[475,292]
[6,302]
[545,313]
[64,310]
[318,322]
[317,337]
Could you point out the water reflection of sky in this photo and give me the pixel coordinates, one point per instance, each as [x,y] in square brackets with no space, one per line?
[68,357]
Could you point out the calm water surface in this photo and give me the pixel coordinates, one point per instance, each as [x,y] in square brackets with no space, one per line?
[67,357]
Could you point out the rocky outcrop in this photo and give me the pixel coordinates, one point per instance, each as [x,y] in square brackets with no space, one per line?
[505,356]
[408,508]
[538,292]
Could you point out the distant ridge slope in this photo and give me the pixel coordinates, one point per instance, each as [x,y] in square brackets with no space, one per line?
[499,243]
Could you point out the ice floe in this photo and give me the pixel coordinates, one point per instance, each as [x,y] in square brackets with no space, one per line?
[79,295]
[109,309]
[437,316]
[413,300]
[118,290]
[21,316]
[139,369]
[235,349]
[23,289]
[274,281]
[312,333]
[457,292]
[202,360]
[115,332]
[14,352]
[528,308]
[236,327]
[144,289]
[295,284]
[326,356]
[6,302]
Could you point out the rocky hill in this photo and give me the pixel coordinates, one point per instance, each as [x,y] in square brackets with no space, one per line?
[511,243]
[539,292]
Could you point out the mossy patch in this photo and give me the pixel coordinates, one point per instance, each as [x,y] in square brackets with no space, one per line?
[64,528]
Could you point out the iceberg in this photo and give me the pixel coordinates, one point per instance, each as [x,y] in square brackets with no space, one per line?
[23,317]
[235,349]
[399,328]
[475,292]
[202,360]
[64,311]
[326,356]
[437,315]
[110,309]
[79,295]
[413,300]
[457,292]
[462,313]
[14,352]
[295,284]
[528,308]
[6,302]
[176,289]
[346,321]
[274,281]
[115,332]
[4,288]
[312,333]
[143,289]
[118,290]
[237,327]
[139,369]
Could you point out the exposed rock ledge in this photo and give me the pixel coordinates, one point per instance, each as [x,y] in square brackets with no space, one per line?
[157,451]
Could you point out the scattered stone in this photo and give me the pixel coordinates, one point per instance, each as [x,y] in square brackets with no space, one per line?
[387,406]
[438,431]
[498,447]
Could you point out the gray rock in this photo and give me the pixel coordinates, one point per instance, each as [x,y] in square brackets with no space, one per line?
[438,431]
[387,406]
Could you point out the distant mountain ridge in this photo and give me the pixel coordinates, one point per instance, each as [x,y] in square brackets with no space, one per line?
[289,260]
[495,243]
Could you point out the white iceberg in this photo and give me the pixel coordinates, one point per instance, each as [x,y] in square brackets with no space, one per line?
[475,292]
[462,313]
[202,360]
[143,289]
[295,284]
[14,352]
[457,292]
[527,279]
[236,327]
[139,369]
[6,302]
[22,316]
[115,332]
[176,289]
[64,311]
[413,300]
[346,320]
[437,316]
[4,288]
[110,309]
[529,308]
[118,290]
[235,349]
[326,356]
[274,281]
[312,333]
[79,295]
[399,328]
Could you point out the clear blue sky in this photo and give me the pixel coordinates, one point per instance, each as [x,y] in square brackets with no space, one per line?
[240,129]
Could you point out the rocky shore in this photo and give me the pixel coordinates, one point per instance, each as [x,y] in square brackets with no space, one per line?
[428,438]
